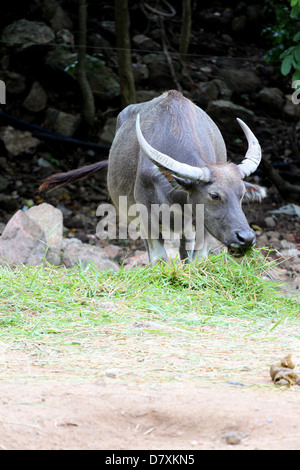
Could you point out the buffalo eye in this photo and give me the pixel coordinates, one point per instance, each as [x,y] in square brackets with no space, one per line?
[214,196]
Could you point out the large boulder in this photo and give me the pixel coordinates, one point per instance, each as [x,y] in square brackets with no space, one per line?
[18,142]
[24,33]
[272,98]
[240,81]
[50,220]
[23,241]
[62,122]
[159,71]
[14,82]
[36,100]
[52,12]
[103,81]
[77,253]
[224,114]
[106,136]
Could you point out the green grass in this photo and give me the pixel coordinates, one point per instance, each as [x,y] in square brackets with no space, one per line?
[44,303]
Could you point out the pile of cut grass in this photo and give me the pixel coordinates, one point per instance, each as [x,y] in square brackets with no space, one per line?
[46,302]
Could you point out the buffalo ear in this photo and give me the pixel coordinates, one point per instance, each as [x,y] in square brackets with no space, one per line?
[254,192]
[185,184]
[176,182]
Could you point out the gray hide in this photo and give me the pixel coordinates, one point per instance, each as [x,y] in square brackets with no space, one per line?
[175,127]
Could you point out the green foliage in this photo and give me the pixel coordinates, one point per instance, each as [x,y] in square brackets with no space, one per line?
[283,32]
[93,61]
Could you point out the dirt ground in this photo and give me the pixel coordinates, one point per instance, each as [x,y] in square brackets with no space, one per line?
[215,393]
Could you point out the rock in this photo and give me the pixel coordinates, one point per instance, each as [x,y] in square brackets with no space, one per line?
[75,252]
[2,227]
[18,142]
[50,220]
[108,132]
[14,82]
[104,82]
[238,23]
[291,110]
[53,13]
[224,113]
[146,95]
[64,36]
[36,100]
[159,71]
[272,98]
[199,95]
[270,222]
[272,234]
[61,122]
[8,203]
[112,250]
[286,244]
[291,255]
[233,437]
[98,41]
[23,241]
[4,182]
[113,373]
[240,81]
[140,258]
[140,72]
[108,27]
[23,34]
[254,12]
[142,42]
[217,89]
[61,60]
[290,237]
[262,241]
[43,163]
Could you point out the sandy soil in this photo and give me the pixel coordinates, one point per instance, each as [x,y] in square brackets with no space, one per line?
[129,396]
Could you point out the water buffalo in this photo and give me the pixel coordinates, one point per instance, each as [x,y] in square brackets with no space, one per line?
[168,151]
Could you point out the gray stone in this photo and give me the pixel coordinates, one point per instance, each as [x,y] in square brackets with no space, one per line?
[224,113]
[61,60]
[145,43]
[23,241]
[36,100]
[77,253]
[53,13]
[159,71]
[23,33]
[146,95]
[233,437]
[61,122]
[270,222]
[103,81]
[64,36]
[140,72]
[2,227]
[241,81]
[14,82]
[217,89]
[291,110]
[50,220]
[18,142]
[4,182]
[272,98]
[108,132]
[238,23]
[254,12]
